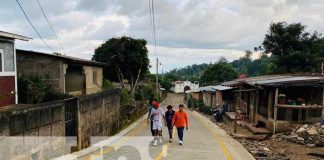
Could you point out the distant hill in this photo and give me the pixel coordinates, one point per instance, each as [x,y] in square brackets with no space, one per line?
[245,64]
[191,73]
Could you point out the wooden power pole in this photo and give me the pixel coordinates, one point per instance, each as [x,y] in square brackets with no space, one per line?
[157,77]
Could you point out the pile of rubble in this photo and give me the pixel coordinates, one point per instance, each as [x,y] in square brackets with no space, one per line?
[261,150]
[309,135]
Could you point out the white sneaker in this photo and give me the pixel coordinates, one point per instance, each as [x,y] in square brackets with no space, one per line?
[180,142]
[160,140]
[155,142]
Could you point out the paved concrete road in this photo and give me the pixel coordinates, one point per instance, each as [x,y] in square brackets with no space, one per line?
[203,140]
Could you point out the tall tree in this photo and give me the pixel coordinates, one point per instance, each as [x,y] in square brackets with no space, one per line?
[217,73]
[293,49]
[127,59]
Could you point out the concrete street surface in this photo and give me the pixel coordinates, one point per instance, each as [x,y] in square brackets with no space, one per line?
[204,140]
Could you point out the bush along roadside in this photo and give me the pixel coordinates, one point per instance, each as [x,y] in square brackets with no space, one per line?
[130,108]
[197,104]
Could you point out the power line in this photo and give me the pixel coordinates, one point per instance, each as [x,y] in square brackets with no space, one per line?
[21,8]
[151,21]
[154,35]
[40,6]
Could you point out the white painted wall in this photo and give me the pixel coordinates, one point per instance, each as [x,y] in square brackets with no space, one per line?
[180,86]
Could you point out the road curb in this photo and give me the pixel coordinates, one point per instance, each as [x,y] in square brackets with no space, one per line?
[96,146]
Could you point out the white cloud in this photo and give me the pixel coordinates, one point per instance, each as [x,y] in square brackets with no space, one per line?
[188,31]
[180,57]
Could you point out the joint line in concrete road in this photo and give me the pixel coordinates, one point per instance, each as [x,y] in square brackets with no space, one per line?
[165,149]
[217,138]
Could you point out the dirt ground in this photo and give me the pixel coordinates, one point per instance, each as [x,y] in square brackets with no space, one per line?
[273,148]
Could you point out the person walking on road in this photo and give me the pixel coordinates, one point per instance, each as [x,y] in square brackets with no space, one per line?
[169,116]
[180,120]
[150,106]
[157,118]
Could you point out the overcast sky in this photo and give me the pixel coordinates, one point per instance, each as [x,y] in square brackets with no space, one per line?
[187,31]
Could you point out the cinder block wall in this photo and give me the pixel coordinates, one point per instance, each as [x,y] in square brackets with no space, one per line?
[23,119]
[96,115]
[26,127]
[99,115]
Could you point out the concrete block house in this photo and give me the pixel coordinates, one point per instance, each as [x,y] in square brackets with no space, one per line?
[8,74]
[65,74]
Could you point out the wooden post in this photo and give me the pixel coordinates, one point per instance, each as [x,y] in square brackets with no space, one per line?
[275,110]
[256,106]
[238,98]
[299,115]
[270,104]
[323,108]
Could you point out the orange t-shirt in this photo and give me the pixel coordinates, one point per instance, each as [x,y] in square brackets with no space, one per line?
[180,119]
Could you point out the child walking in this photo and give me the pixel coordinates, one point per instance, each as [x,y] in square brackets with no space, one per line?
[169,116]
[157,118]
[180,120]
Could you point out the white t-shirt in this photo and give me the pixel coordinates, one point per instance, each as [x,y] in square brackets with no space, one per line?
[157,114]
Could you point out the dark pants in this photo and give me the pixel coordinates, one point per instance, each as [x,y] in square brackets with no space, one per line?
[180,133]
[170,128]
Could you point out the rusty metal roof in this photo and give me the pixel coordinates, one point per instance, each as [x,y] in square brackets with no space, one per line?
[278,80]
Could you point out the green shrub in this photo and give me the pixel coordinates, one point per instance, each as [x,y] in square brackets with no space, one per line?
[200,104]
[145,92]
[106,84]
[34,89]
[194,103]
[206,110]
[125,98]
[189,103]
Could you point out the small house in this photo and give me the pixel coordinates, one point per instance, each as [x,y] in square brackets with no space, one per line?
[213,96]
[8,68]
[65,74]
[277,102]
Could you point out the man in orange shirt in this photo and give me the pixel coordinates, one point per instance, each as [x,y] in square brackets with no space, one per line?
[180,120]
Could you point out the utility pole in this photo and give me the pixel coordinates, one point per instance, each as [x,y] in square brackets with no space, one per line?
[157,77]
[162,73]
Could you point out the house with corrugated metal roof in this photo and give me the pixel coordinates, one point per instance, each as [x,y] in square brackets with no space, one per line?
[277,102]
[213,96]
[69,75]
[8,68]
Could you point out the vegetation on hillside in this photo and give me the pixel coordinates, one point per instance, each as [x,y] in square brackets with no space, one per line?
[191,73]
[286,48]
[217,73]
